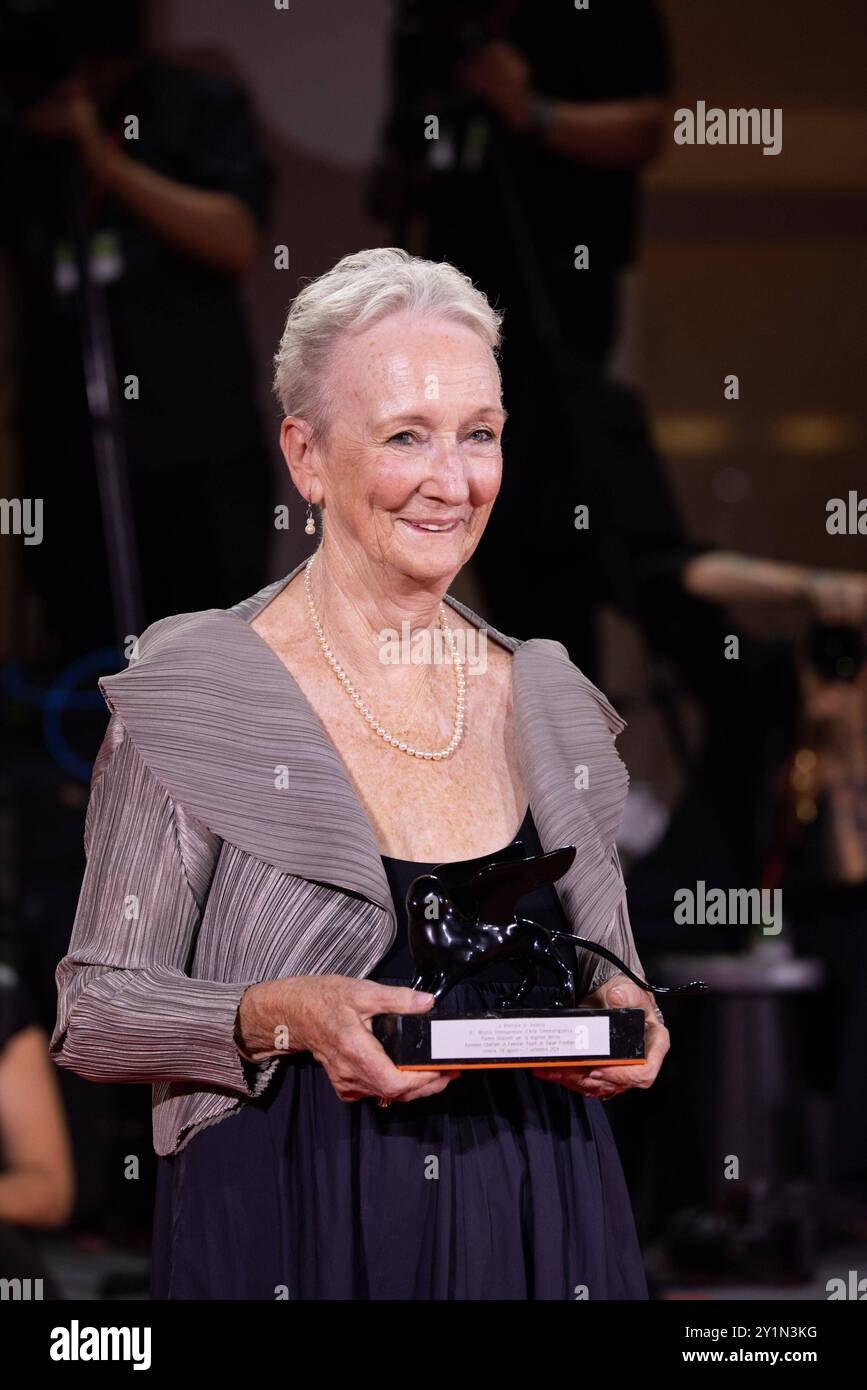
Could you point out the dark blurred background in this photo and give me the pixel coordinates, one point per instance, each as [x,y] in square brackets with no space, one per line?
[140,310]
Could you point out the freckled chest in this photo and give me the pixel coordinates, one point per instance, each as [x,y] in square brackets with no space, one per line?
[466,805]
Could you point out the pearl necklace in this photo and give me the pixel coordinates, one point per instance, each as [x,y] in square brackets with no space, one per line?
[364,709]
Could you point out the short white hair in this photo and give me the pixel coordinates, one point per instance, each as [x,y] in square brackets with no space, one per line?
[357,292]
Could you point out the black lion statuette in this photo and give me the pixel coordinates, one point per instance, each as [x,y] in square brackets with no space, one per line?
[462,918]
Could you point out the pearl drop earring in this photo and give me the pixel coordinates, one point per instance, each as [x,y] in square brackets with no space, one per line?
[310,524]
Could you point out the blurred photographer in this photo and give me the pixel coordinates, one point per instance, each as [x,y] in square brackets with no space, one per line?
[161,169]
[823,870]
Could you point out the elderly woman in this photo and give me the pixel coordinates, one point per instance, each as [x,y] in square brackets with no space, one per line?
[267,789]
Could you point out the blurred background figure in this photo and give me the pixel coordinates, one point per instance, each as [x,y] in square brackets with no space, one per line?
[36,1174]
[158,168]
[513,145]
[544,119]
[823,871]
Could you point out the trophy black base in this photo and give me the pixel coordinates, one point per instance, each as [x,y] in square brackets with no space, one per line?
[513,1038]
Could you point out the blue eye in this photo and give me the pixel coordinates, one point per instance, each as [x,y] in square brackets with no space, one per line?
[402,436]
[483,430]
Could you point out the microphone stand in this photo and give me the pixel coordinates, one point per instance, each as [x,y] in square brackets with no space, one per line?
[103,400]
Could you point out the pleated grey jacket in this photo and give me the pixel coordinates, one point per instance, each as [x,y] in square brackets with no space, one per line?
[226,845]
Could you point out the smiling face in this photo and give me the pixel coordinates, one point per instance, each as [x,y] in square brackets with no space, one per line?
[411,465]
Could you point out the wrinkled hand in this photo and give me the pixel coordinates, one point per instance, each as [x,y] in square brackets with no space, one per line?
[499,75]
[593,1080]
[331,1017]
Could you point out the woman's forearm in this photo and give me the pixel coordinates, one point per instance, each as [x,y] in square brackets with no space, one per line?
[152,1024]
[265,1026]
[255,1027]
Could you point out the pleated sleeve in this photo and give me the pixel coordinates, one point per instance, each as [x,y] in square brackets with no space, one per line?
[600,726]
[619,939]
[127,1008]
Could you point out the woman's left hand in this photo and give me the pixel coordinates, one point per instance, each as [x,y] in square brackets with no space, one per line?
[617,993]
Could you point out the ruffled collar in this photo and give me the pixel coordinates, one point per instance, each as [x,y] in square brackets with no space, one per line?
[221,722]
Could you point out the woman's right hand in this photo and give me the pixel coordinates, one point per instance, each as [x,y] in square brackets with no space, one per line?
[330,1016]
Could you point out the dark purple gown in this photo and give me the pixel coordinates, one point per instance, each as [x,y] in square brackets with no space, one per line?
[501,1187]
